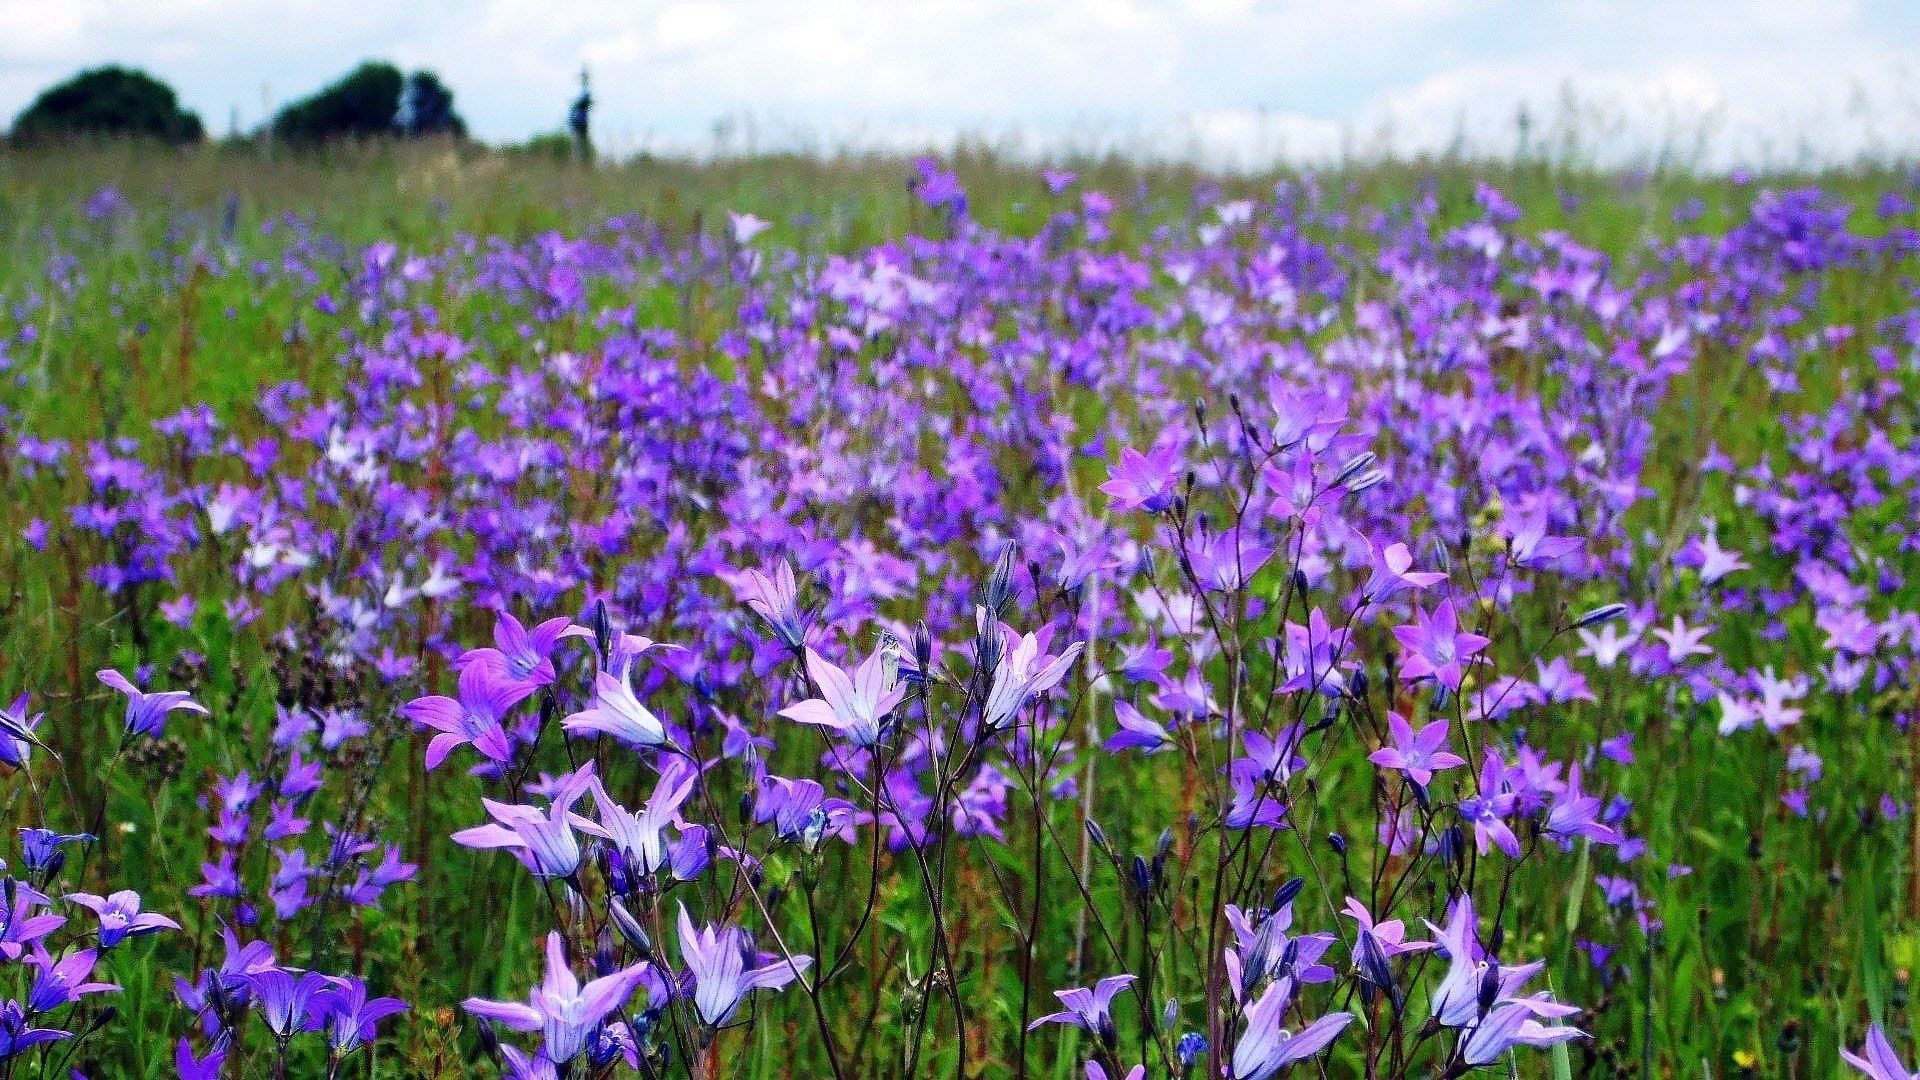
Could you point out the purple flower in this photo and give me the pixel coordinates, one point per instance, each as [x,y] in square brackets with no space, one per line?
[1418,754]
[519,654]
[544,842]
[1393,573]
[188,1067]
[147,713]
[725,968]
[639,838]
[286,996]
[856,706]
[775,597]
[350,1018]
[1144,481]
[1436,646]
[1514,1023]
[63,981]
[121,917]
[1021,675]
[1316,657]
[615,710]
[17,1035]
[1089,1010]
[17,733]
[1136,732]
[1877,1059]
[1266,1046]
[19,927]
[472,718]
[1532,548]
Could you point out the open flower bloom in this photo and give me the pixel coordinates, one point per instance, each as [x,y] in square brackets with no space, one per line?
[1022,675]
[640,838]
[543,841]
[775,597]
[521,655]
[121,917]
[147,713]
[1877,1059]
[726,968]
[1420,753]
[474,718]
[1266,1046]
[1144,481]
[616,710]
[560,1008]
[856,706]
[1089,1010]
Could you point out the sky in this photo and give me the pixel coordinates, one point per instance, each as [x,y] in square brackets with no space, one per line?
[1227,82]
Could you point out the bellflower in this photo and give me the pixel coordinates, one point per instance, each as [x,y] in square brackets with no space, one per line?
[147,713]
[1435,646]
[120,916]
[1089,1010]
[725,968]
[474,718]
[1266,1046]
[543,841]
[560,1008]
[615,710]
[1022,675]
[856,706]
[1418,754]
[1877,1059]
[1144,481]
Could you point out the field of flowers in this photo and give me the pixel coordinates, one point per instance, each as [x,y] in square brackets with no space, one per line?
[986,623]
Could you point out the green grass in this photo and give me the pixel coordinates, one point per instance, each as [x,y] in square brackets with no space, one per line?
[130,331]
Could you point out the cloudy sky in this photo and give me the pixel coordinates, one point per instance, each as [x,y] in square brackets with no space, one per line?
[1229,81]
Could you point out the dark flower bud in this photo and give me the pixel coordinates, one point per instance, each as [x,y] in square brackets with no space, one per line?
[1099,837]
[1285,894]
[602,628]
[1442,556]
[1366,481]
[489,1039]
[606,957]
[1353,468]
[1601,614]
[923,650]
[1000,583]
[1300,584]
[1489,987]
[1170,1015]
[1164,844]
[1790,1037]
[1357,684]
[1337,842]
[630,929]
[746,807]
[1142,876]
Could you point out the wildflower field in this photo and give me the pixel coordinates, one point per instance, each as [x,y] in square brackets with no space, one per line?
[474,615]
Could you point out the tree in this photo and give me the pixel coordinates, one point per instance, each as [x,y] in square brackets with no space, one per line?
[363,105]
[108,102]
[374,100]
[426,108]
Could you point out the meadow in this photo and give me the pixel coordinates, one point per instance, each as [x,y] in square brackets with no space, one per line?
[866,617]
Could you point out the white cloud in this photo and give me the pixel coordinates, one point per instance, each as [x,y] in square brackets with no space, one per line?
[1230,81]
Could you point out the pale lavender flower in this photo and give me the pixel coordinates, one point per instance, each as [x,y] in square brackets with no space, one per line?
[560,1008]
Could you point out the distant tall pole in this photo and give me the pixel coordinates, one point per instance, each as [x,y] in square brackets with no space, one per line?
[577,119]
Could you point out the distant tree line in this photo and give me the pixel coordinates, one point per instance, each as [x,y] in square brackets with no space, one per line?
[375,100]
